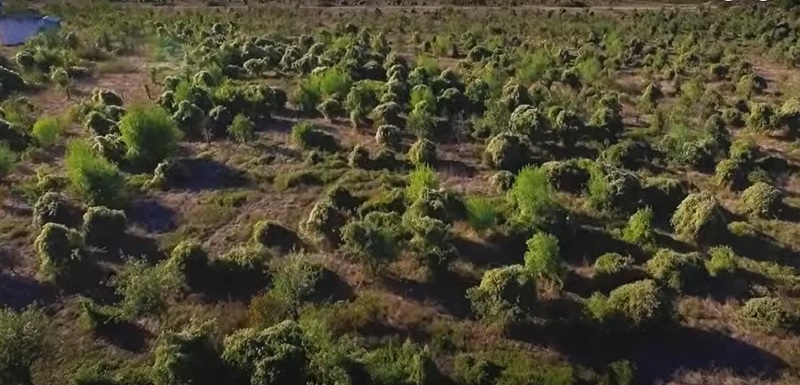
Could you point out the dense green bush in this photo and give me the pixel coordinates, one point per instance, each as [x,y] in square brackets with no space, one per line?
[388,136]
[508,151]
[145,289]
[59,252]
[613,189]
[731,172]
[387,114]
[359,157]
[306,136]
[242,129]
[104,227]
[423,151]
[374,240]
[569,175]
[768,314]
[762,118]
[699,218]
[677,271]
[627,154]
[299,280]
[271,356]
[639,229]
[664,195]
[421,178]
[98,124]
[149,134]
[331,109]
[543,259]
[323,223]
[471,370]
[274,235]
[188,356]
[24,342]
[430,241]
[612,263]
[637,306]
[94,178]
[47,130]
[529,121]
[761,200]
[504,296]
[723,261]
[53,207]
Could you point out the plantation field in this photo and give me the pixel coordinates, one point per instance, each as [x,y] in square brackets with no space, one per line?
[402,194]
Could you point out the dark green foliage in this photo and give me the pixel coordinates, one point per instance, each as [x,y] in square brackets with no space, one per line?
[639,306]
[768,314]
[220,118]
[300,279]
[187,357]
[761,200]
[306,136]
[7,159]
[471,370]
[104,227]
[677,271]
[393,200]
[149,134]
[612,263]
[274,235]
[167,174]
[272,356]
[374,240]
[529,121]
[59,252]
[627,154]
[388,136]
[430,241]
[331,109]
[423,151]
[387,114]
[438,204]
[699,218]
[613,189]
[504,296]
[359,157]
[508,151]
[569,175]
[189,118]
[98,124]
[664,195]
[23,343]
[53,207]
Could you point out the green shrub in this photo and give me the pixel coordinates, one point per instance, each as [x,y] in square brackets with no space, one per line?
[639,229]
[187,357]
[637,306]
[768,314]
[323,224]
[570,175]
[275,355]
[723,261]
[543,258]
[300,280]
[47,130]
[750,84]
[104,227]
[762,118]
[91,176]
[242,129]
[761,200]
[731,172]
[421,178]
[387,114]
[430,241]
[482,214]
[53,207]
[24,342]
[508,151]
[504,296]
[145,289]
[99,124]
[626,154]
[149,134]
[422,121]
[7,159]
[471,370]
[423,151]
[529,121]
[359,157]
[699,218]
[502,180]
[438,204]
[331,109]
[619,373]
[612,263]
[533,196]
[58,249]
[190,260]
[393,200]
[742,229]
[375,239]
[677,271]
[306,136]
[613,189]
[274,235]
[664,195]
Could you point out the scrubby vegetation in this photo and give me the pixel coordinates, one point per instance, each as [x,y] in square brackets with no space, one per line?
[547,192]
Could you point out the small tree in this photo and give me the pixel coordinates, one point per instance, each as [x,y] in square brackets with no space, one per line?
[761,200]
[145,289]
[508,151]
[699,218]
[241,129]
[92,176]
[58,249]
[23,342]
[637,306]
[639,230]
[187,357]
[504,296]
[677,271]
[53,207]
[423,151]
[543,258]
[149,134]
[103,226]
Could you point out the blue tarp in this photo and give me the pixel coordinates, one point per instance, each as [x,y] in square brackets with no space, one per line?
[17,29]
